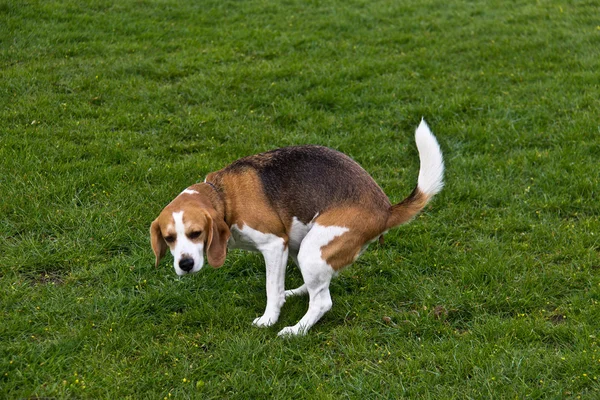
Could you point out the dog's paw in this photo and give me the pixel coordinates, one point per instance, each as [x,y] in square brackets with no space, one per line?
[264,321]
[291,331]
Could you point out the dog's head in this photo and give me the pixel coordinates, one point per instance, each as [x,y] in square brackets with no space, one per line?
[189,226]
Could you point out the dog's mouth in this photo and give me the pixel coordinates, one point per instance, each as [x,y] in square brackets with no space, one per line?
[179,272]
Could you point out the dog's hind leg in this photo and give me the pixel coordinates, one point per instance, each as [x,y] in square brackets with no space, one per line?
[317,275]
[326,249]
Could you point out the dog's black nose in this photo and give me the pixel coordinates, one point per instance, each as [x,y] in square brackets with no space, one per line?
[186,264]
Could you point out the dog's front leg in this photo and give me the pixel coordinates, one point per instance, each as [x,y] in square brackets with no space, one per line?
[276,255]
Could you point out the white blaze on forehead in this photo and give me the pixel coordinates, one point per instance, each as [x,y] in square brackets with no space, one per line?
[184,247]
[179,227]
[183,244]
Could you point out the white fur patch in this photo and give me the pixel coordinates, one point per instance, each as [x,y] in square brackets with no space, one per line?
[184,247]
[431,171]
[189,191]
[247,238]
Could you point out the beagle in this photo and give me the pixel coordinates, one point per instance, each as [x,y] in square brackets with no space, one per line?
[311,203]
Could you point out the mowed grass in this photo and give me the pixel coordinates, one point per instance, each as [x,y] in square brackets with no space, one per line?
[110,109]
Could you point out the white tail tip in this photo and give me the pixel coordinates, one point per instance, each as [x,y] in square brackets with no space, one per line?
[431,171]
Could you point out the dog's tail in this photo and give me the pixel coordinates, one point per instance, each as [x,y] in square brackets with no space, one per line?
[430,182]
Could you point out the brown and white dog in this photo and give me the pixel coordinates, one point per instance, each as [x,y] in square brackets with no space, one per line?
[311,203]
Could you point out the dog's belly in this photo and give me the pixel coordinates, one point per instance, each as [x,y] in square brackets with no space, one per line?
[298,231]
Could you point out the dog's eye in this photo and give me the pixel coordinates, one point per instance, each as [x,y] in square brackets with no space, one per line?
[170,239]
[194,234]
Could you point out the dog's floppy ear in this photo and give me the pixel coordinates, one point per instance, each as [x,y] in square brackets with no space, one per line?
[159,246]
[216,242]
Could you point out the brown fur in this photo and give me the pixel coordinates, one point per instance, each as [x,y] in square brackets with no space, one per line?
[364,226]
[407,209]
[245,203]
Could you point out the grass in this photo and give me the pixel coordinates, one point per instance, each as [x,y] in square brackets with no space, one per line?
[110,109]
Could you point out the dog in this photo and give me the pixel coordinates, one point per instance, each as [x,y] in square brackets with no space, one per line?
[312,204]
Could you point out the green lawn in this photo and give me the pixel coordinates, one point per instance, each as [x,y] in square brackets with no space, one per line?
[110,109]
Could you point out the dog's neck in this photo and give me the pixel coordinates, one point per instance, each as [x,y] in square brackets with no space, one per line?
[213,194]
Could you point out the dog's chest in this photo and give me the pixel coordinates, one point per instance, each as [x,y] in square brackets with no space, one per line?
[244,238]
[247,238]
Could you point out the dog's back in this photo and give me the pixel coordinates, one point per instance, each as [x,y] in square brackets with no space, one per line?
[306,180]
